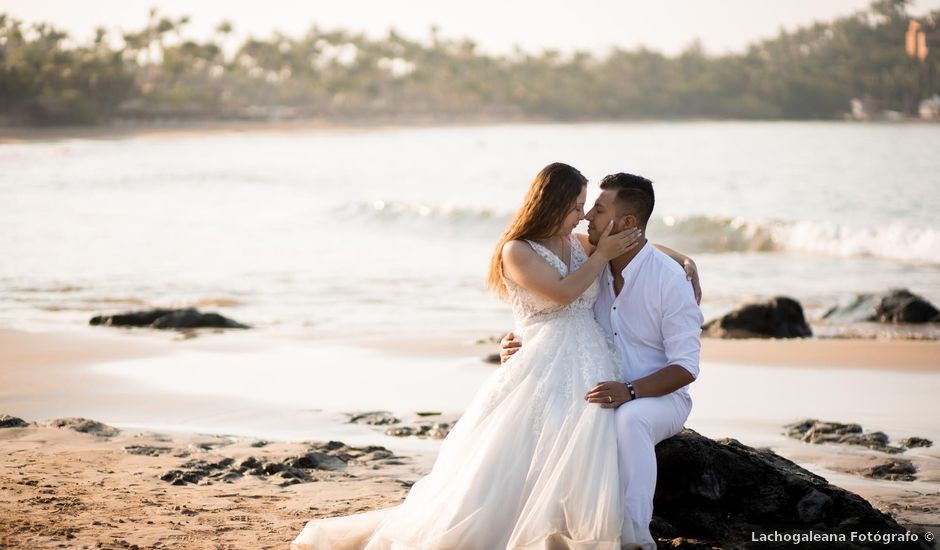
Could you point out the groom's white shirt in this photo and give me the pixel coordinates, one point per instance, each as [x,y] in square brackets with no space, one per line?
[654,321]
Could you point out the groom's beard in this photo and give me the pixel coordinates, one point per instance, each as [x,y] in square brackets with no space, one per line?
[594,235]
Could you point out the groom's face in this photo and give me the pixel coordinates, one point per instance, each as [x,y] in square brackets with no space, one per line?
[605,209]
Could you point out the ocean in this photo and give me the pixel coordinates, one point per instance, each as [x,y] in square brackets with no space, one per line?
[388,231]
[359,257]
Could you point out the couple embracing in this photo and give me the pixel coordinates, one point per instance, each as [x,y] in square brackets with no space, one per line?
[556,450]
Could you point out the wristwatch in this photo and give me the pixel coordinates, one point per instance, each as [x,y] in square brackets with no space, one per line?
[632,390]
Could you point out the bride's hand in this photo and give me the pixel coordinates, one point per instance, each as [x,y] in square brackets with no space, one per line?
[691,273]
[610,246]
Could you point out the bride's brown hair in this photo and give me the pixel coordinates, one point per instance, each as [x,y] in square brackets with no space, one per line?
[554,189]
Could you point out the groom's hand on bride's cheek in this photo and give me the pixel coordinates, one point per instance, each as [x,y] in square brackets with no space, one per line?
[609,395]
[508,346]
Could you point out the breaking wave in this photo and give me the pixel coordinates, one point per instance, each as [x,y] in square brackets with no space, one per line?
[710,234]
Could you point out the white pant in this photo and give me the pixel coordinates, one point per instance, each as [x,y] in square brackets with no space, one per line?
[641,424]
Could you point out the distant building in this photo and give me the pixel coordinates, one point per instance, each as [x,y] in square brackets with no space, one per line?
[929,108]
[858,110]
[865,108]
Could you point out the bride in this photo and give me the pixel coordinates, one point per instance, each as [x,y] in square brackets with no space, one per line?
[530,464]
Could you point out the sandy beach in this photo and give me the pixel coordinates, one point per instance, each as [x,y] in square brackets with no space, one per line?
[63,488]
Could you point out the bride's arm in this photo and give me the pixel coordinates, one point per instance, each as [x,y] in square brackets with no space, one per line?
[691,270]
[679,257]
[526,268]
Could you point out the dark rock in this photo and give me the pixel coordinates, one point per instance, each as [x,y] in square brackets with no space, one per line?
[403,431]
[206,445]
[147,450]
[230,477]
[224,463]
[180,477]
[813,507]
[492,358]
[781,317]
[191,318]
[167,319]
[197,471]
[130,319]
[319,461]
[893,470]
[84,425]
[379,454]
[294,473]
[873,439]
[717,493]
[196,464]
[260,443]
[428,413]
[893,306]
[332,456]
[272,468]
[374,418]
[438,431]
[248,463]
[7,421]
[424,430]
[815,431]
[912,442]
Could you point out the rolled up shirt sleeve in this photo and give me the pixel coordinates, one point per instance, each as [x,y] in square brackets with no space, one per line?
[681,325]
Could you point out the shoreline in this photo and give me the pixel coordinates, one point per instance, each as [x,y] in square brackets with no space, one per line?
[31,134]
[172,128]
[21,349]
[44,363]
[175,129]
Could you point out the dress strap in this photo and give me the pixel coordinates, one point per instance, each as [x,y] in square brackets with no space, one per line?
[578,254]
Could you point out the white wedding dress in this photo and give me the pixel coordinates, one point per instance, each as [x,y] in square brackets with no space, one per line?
[530,464]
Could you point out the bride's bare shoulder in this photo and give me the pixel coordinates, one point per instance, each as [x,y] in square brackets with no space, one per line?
[585,242]
[516,249]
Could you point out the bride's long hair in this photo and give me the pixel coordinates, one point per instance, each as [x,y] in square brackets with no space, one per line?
[554,189]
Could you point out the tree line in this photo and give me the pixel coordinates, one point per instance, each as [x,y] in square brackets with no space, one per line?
[157,73]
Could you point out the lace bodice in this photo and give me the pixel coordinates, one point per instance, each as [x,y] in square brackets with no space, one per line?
[529,307]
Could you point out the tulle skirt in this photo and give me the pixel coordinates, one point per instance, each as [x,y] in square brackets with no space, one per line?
[530,464]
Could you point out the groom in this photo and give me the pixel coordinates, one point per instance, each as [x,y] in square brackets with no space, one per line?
[649,310]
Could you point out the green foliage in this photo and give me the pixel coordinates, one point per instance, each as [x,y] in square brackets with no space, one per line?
[808,73]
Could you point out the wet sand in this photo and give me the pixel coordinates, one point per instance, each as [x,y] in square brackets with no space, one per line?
[889,355]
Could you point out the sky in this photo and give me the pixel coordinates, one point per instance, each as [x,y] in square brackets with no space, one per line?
[668,26]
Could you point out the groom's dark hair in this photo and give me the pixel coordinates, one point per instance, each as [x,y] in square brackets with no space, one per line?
[634,194]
